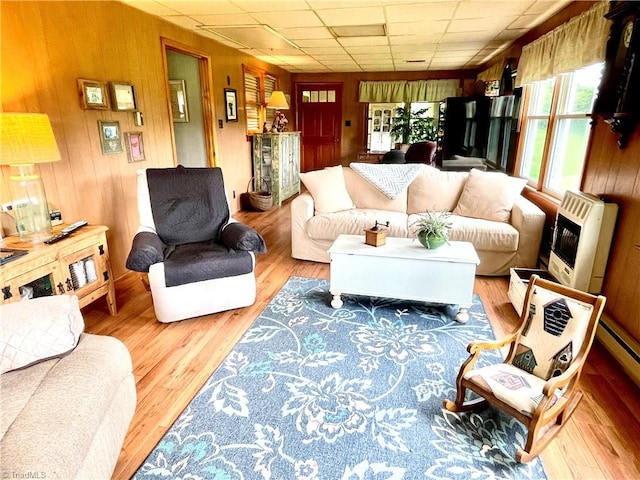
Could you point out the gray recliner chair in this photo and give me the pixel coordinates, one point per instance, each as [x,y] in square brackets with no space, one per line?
[199,260]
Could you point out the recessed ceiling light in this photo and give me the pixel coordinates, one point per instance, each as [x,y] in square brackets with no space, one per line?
[376,30]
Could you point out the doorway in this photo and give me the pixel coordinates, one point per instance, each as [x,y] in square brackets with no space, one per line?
[319,107]
[188,83]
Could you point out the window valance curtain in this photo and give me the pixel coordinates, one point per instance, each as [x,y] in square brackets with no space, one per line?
[580,42]
[406,91]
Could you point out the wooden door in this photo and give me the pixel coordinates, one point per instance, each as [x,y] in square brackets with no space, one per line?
[319,108]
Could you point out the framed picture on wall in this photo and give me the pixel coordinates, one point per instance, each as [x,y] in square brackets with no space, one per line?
[110,139]
[231,104]
[93,94]
[178,97]
[134,146]
[123,98]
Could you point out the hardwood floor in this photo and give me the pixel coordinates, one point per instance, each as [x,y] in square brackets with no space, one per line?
[172,361]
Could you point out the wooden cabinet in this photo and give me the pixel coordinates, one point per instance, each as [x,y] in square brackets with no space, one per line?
[276,164]
[78,264]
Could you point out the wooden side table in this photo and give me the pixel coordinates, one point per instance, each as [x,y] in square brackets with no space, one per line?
[78,265]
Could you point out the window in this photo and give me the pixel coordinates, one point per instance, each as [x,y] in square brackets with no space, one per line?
[555,129]
[258,86]
[380,119]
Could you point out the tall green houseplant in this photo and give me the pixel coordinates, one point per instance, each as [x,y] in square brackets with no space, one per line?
[409,127]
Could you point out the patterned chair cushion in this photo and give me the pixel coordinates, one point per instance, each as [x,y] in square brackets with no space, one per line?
[553,334]
[515,387]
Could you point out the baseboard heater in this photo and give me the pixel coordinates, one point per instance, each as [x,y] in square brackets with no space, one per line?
[621,345]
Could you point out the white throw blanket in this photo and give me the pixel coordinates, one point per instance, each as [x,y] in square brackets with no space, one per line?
[390,178]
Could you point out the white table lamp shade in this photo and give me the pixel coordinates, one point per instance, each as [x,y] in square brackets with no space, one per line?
[25,140]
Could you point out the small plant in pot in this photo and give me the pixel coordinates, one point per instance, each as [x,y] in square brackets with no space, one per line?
[432,229]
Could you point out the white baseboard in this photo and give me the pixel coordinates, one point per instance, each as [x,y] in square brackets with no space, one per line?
[621,345]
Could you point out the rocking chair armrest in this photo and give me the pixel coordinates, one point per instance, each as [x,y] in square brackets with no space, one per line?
[146,250]
[561,380]
[239,236]
[479,345]
[476,347]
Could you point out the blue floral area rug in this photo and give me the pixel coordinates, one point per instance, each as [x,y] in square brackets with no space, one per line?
[316,393]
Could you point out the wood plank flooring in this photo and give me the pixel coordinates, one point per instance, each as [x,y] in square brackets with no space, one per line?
[172,361]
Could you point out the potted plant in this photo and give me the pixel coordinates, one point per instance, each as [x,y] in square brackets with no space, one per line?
[432,229]
[409,127]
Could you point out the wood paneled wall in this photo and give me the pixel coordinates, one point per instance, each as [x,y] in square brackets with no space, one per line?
[46,46]
[614,174]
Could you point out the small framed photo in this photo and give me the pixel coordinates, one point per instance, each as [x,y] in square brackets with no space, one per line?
[178,97]
[134,146]
[110,137]
[123,98]
[231,105]
[93,94]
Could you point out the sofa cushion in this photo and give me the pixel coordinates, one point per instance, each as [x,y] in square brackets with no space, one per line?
[365,195]
[436,191]
[38,329]
[489,195]
[483,234]
[328,189]
[60,413]
[354,222]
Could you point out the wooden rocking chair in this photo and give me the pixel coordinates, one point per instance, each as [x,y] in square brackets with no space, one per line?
[538,381]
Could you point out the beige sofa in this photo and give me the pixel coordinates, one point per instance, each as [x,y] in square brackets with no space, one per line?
[67,397]
[512,242]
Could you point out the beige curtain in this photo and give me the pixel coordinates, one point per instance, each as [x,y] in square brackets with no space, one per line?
[493,73]
[580,42]
[404,91]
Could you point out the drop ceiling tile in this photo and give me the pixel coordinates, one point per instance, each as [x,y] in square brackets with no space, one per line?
[356,41]
[510,34]
[462,46]
[422,48]
[352,16]
[268,6]
[417,28]
[322,42]
[491,9]
[420,11]
[152,7]
[186,22]
[373,49]
[466,37]
[524,21]
[333,4]
[414,39]
[383,67]
[332,57]
[546,7]
[196,7]
[295,19]
[335,50]
[316,33]
[488,26]
[226,19]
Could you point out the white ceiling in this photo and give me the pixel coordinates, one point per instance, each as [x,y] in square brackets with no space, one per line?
[420,34]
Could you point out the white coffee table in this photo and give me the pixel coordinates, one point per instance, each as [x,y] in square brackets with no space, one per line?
[404,269]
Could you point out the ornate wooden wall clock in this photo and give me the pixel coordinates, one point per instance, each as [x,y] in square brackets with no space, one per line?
[618,99]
